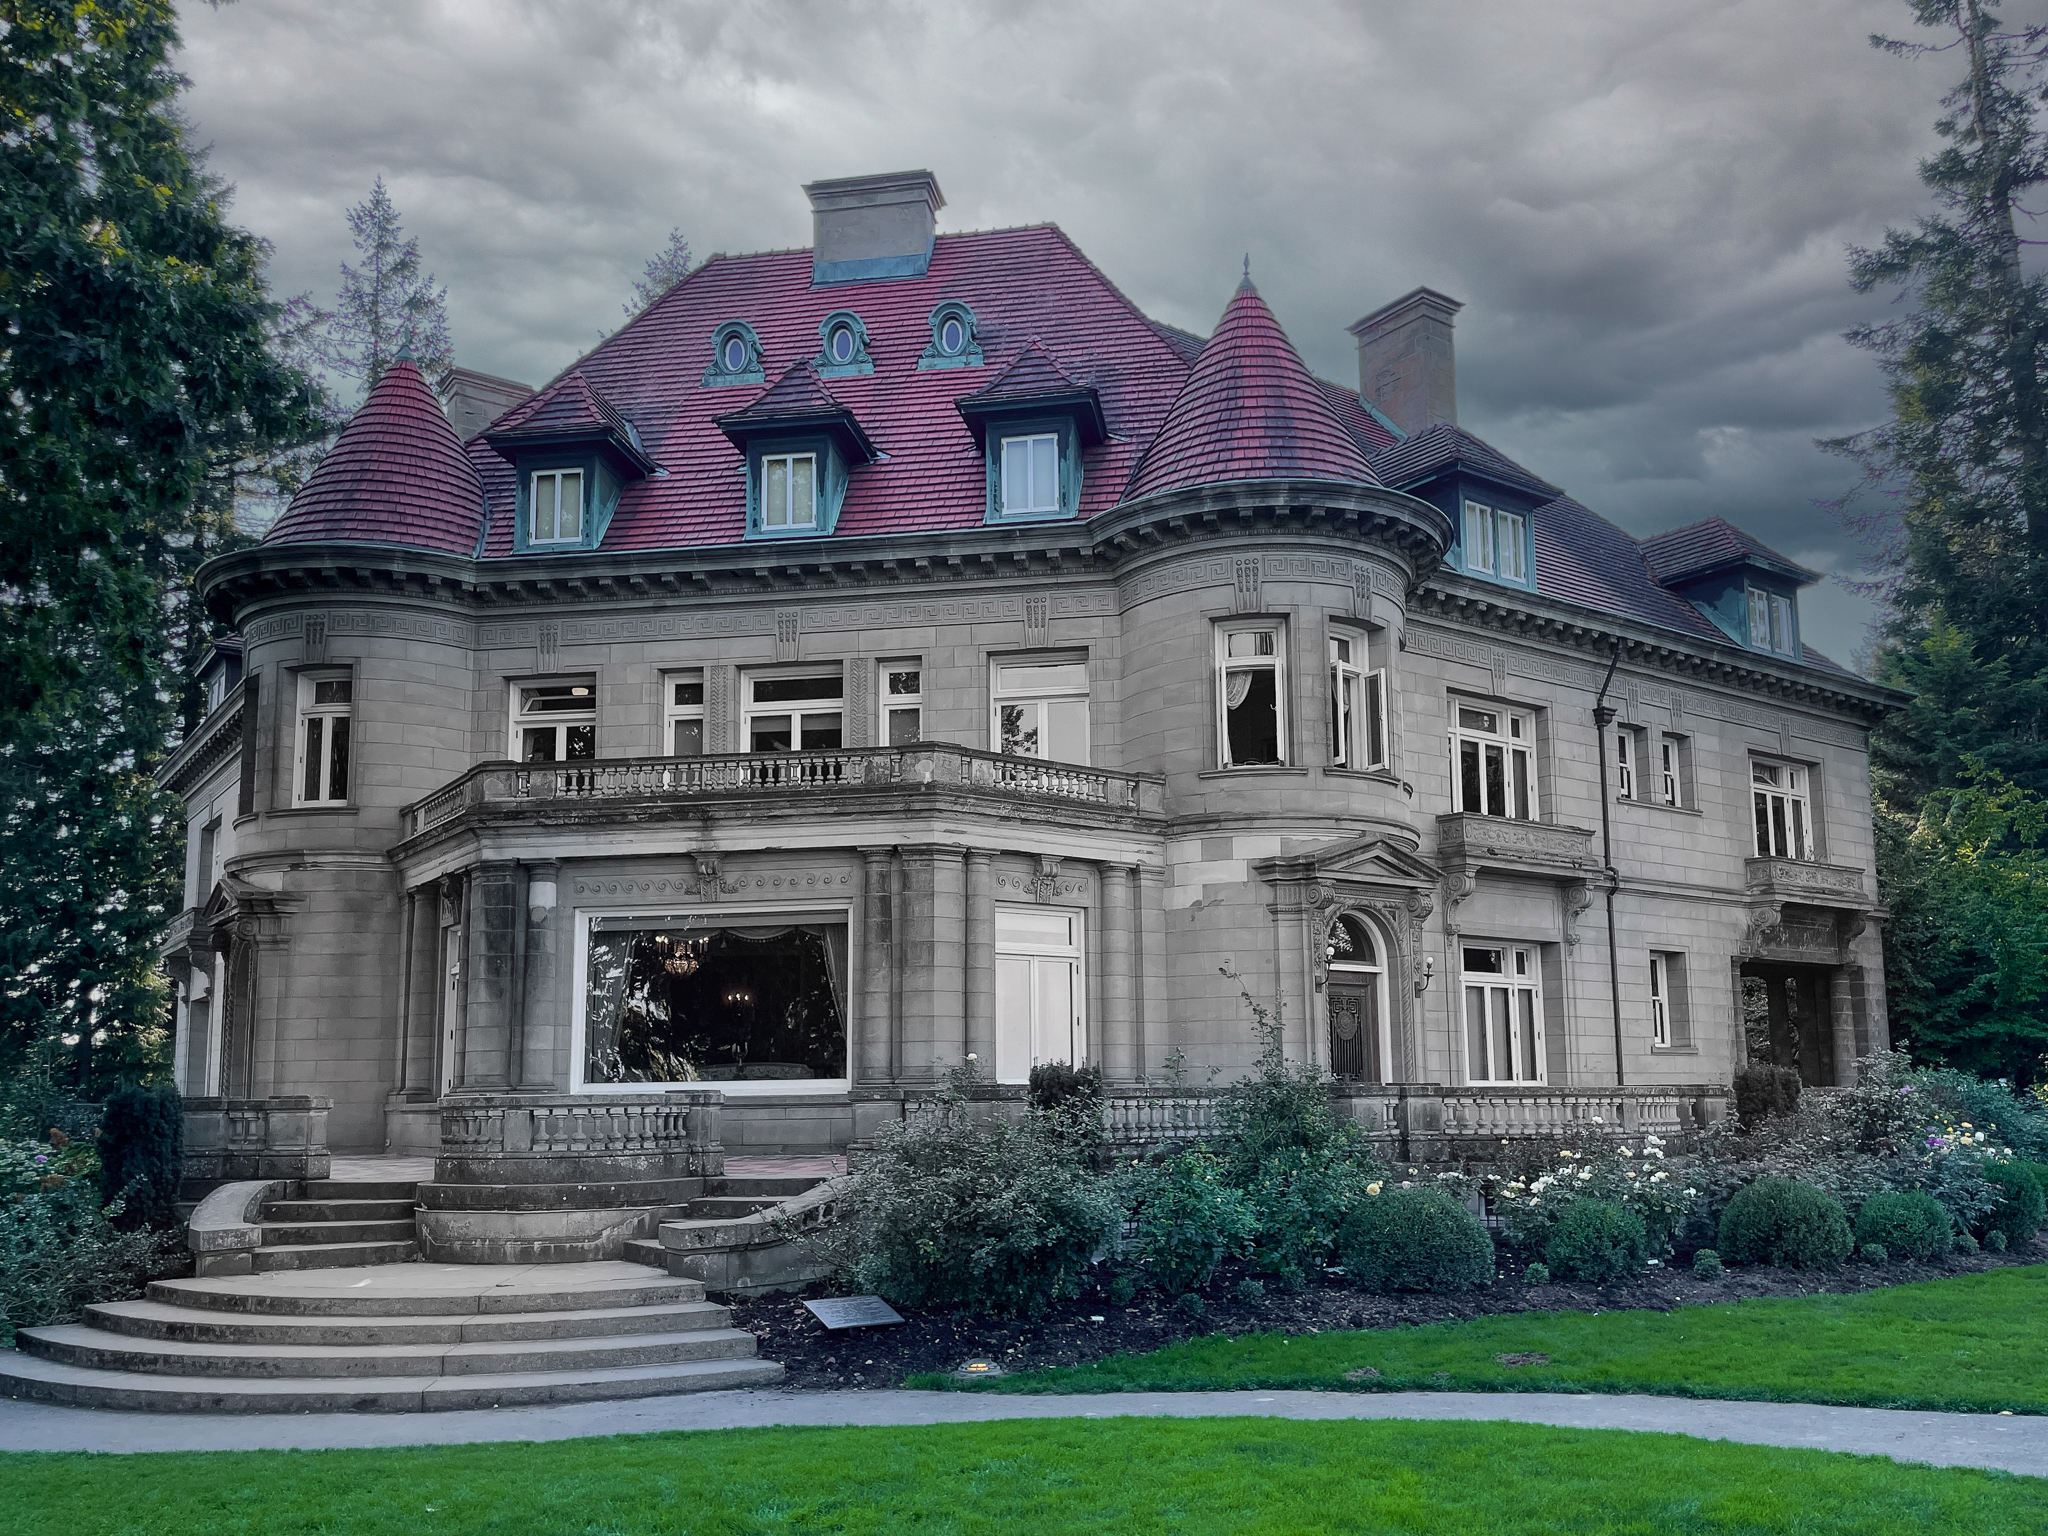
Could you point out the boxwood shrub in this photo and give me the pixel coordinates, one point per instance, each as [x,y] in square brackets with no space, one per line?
[1597,1241]
[2022,1207]
[1786,1223]
[1415,1240]
[1907,1224]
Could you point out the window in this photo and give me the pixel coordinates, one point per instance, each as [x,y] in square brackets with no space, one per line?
[1493,761]
[1771,622]
[1249,694]
[902,696]
[1674,771]
[1357,979]
[202,883]
[1031,473]
[216,689]
[1625,763]
[1494,542]
[326,708]
[800,713]
[1358,710]
[683,714]
[953,343]
[735,358]
[1038,990]
[840,345]
[555,722]
[1784,813]
[952,336]
[1041,710]
[556,515]
[789,490]
[1503,1015]
[1670,1013]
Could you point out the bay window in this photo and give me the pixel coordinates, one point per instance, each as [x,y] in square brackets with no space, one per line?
[1784,811]
[1358,710]
[326,712]
[1251,695]
[1040,709]
[1503,1014]
[1493,761]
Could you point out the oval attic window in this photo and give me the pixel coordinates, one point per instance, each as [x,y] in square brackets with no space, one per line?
[841,344]
[951,336]
[735,355]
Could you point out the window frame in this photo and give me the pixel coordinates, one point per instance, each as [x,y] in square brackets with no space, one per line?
[1670,1001]
[1674,770]
[789,457]
[560,720]
[1627,765]
[310,713]
[889,703]
[1486,531]
[1026,439]
[675,712]
[1000,697]
[1512,745]
[1773,622]
[1368,690]
[752,709]
[1275,662]
[557,473]
[1521,974]
[1067,470]
[1660,1001]
[1796,792]
[1072,954]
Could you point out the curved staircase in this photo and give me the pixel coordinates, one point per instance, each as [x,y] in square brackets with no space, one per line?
[389,1339]
[334,1223]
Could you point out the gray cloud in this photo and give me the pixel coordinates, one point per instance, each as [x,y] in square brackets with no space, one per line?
[1644,206]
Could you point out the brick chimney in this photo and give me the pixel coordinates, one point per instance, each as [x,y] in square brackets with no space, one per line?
[865,227]
[1406,365]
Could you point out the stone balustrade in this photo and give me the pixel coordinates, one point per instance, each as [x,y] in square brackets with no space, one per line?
[230,1140]
[526,1138]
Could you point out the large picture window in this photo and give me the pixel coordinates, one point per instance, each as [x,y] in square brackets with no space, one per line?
[1493,761]
[1038,990]
[326,712]
[715,1001]
[1358,707]
[1041,710]
[1251,695]
[1784,811]
[1503,1014]
[554,722]
[795,713]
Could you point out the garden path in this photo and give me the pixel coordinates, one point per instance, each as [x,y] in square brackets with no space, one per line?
[2003,1443]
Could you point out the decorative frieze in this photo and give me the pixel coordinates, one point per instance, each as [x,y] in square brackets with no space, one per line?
[1801,880]
[1534,846]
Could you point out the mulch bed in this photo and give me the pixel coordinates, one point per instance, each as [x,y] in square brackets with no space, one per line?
[1092,1328]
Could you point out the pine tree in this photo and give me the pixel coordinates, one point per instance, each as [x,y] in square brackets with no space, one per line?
[667,269]
[387,307]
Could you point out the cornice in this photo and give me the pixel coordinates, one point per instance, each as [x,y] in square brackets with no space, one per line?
[218,738]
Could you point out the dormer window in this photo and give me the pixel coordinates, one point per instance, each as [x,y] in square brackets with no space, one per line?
[735,356]
[555,507]
[954,342]
[789,490]
[1031,474]
[840,345]
[952,335]
[1495,542]
[843,352]
[1771,623]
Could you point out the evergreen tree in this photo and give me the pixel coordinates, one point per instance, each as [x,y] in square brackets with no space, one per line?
[667,269]
[135,362]
[388,306]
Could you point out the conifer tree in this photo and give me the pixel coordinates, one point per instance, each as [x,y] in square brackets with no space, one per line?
[663,272]
[388,306]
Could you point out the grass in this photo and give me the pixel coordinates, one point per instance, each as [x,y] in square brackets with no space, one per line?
[1050,1477]
[1973,1342]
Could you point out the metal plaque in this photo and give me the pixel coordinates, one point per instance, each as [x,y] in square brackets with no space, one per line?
[837,1312]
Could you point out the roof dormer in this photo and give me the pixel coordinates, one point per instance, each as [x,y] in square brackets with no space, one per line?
[573,454]
[1033,424]
[801,446]
[1748,589]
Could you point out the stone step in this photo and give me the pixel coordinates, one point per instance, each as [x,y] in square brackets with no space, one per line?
[34,1379]
[299,1234]
[728,1207]
[332,1255]
[338,1210]
[92,1349]
[774,1187]
[355,1189]
[193,1325]
[648,1251]
[430,1290]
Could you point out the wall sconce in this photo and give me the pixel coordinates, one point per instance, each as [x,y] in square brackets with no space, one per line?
[540,897]
[1428,974]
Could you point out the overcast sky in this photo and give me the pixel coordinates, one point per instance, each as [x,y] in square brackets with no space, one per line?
[1644,204]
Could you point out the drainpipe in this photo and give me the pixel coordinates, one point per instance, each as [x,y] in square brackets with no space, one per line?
[1603,717]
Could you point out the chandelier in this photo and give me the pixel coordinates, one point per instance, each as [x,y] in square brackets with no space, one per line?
[679,957]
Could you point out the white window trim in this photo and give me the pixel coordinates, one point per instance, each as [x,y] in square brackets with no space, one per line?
[1495,542]
[1076,951]
[1627,771]
[1025,440]
[1512,746]
[718,916]
[796,709]
[533,538]
[817,491]
[307,711]
[514,745]
[885,701]
[1797,794]
[1370,700]
[1226,664]
[999,696]
[1660,1001]
[1671,770]
[1512,984]
[672,712]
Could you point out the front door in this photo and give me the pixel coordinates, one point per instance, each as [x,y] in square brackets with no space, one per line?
[1354,1033]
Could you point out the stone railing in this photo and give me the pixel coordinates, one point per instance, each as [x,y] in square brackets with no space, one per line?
[1133,1124]
[1496,842]
[1799,880]
[519,1138]
[785,777]
[229,1140]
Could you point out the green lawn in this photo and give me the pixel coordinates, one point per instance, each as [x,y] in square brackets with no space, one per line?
[1045,1477]
[1972,1342]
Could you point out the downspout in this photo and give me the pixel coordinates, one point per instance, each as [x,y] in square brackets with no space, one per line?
[1603,717]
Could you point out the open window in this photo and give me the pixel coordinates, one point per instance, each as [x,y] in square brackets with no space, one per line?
[1782,802]
[1670,1008]
[1503,1013]
[1493,760]
[1358,706]
[1251,694]
[326,714]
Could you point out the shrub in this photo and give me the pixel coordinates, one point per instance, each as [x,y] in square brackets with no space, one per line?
[1250,1292]
[1189,1302]
[1994,1241]
[59,1248]
[1965,1243]
[1909,1223]
[1415,1240]
[1121,1290]
[1057,1084]
[1532,1202]
[1536,1274]
[1762,1091]
[1189,1221]
[1786,1223]
[950,1209]
[2021,1209]
[1597,1241]
[1706,1265]
[142,1154]
[2018,1120]
[1874,1253]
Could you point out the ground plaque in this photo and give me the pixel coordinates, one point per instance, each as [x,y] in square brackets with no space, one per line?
[837,1312]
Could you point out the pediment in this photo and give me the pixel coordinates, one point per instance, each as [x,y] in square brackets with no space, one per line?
[1371,859]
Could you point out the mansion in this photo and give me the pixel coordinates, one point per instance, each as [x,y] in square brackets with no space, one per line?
[904,651]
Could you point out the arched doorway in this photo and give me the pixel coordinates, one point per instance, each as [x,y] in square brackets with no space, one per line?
[1357,994]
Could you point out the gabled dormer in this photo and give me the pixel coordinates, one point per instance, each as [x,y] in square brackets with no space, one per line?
[1748,589]
[801,446]
[1490,500]
[1033,424]
[572,454]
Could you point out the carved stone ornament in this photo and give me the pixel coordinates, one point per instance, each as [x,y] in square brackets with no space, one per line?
[1577,898]
[708,882]
[1046,883]
[1459,885]
[1764,920]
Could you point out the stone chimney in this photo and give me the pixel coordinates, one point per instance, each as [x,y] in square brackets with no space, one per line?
[474,400]
[1406,365]
[865,227]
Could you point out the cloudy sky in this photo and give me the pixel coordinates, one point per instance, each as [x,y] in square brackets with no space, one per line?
[1644,204]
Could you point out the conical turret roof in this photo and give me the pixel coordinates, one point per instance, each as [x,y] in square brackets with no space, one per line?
[397,474]
[1250,410]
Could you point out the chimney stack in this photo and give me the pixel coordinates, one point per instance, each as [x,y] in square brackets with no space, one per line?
[1406,365]
[867,227]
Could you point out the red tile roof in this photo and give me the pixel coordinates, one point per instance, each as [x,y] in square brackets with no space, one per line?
[1712,542]
[1250,410]
[397,474]
[1441,447]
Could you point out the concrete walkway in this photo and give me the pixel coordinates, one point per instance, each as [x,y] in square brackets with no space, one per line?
[2009,1444]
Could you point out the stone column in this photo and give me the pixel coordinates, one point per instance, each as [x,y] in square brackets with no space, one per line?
[1844,983]
[492,938]
[981,958]
[423,987]
[875,1054]
[541,1024]
[1149,1042]
[1117,1051]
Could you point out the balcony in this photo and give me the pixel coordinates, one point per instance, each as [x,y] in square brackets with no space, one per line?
[1465,841]
[1806,883]
[807,784]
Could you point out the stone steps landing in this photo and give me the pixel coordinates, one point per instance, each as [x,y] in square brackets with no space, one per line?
[339,1224]
[390,1338]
